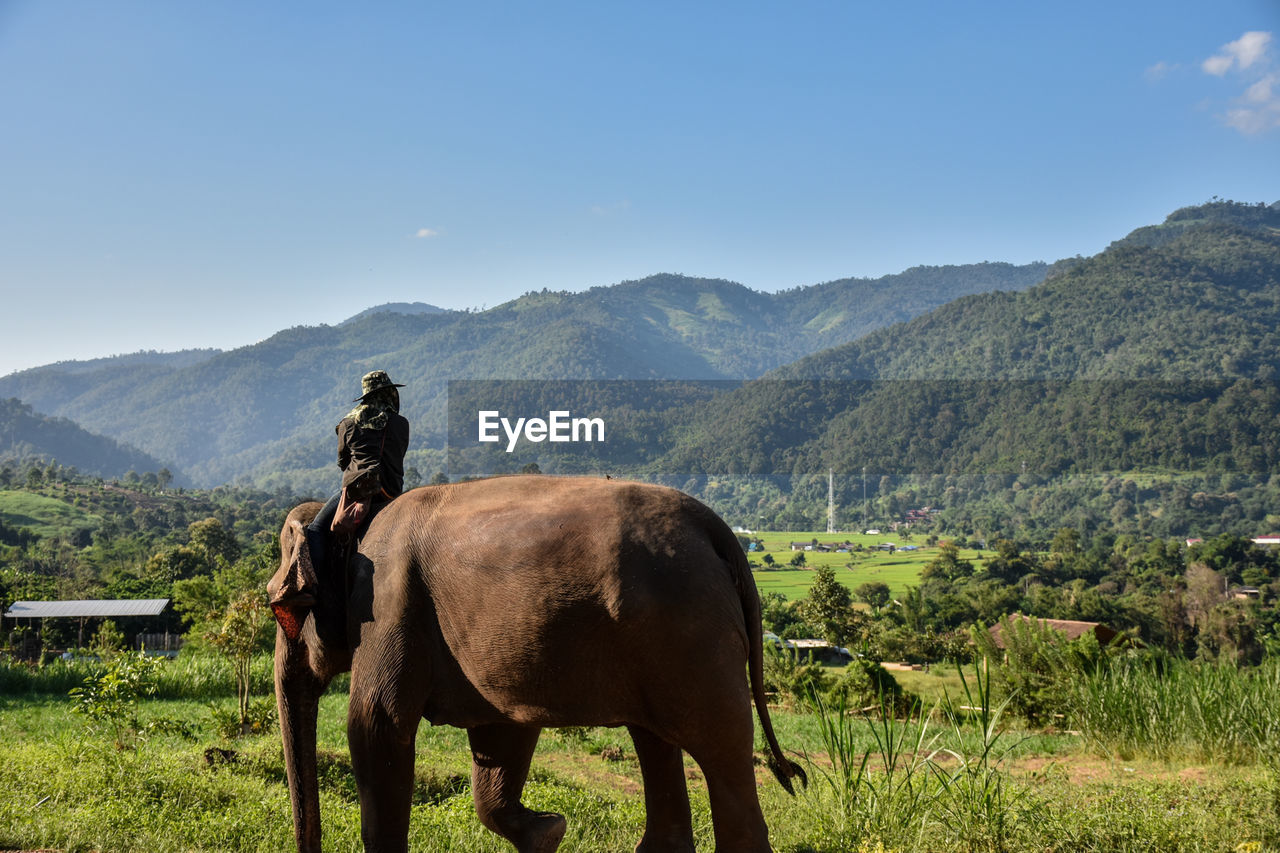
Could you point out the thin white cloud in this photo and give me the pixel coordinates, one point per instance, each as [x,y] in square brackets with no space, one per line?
[1217,65]
[613,209]
[1256,109]
[1241,54]
[426,233]
[1159,71]
[1250,48]
[1262,92]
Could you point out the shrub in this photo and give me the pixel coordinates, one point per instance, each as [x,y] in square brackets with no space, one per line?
[1038,666]
[258,717]
[792,680]
[110,698]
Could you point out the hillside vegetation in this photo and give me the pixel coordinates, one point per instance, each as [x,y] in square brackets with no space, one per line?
[26,434]
[1135,388]
[266,412]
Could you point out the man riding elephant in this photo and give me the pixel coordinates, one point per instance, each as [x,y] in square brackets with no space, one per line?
[372,440]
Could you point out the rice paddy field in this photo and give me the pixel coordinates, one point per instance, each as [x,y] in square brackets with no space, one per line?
[898,568]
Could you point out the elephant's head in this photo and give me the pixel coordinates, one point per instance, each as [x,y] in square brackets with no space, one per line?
[292,591]
[310,649]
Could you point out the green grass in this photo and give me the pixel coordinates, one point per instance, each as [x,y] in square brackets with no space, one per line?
[899,569]
[47,517]
[67,789]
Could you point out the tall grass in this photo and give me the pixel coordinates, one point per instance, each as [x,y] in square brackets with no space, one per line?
[977,799]
[199,677]
[1170,709]
[914,786]
[883,791]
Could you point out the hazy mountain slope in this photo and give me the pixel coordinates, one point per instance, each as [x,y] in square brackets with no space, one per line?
[256,408]
[396,308]
[1163,354]
[26,435]
[1205,304]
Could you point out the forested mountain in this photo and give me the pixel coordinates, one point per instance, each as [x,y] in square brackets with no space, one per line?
[1157,358]
[266,412]
[396,308]
[1203,303]
[27,435]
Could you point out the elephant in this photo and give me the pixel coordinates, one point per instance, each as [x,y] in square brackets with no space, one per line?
[510,604]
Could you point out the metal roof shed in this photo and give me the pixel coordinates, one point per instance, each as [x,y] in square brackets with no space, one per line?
[86,609]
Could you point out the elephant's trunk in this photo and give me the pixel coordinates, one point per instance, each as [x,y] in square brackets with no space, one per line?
[298,693]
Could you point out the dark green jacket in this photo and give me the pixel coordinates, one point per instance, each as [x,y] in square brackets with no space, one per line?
[372,460]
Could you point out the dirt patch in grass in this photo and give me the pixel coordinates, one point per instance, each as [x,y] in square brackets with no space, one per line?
[1086,769]
[592,771]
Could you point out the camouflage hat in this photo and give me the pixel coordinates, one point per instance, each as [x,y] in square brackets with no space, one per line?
[375,380]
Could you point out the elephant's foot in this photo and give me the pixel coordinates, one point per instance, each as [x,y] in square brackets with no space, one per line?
[673,844]
[542,833]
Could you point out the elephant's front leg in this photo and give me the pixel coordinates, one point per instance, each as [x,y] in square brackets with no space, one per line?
[500,757]
[382,753]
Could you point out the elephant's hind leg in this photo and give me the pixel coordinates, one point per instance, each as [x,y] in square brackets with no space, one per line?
[725,757]
[500,757]
[668,826]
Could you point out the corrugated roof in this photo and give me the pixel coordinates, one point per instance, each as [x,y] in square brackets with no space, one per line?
[118,607]
[1073,629]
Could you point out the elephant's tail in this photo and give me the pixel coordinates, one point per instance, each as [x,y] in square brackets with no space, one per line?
[783,768]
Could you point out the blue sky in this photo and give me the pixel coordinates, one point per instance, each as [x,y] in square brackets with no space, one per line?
[178,175]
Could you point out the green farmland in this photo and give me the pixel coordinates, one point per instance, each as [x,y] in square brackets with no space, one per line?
[45,516]
[898,569]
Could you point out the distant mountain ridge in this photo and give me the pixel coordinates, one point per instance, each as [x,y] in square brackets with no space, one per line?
[1199,301]
[396,308]
[28,436]
[266,412]
[1162,352]
[140,359]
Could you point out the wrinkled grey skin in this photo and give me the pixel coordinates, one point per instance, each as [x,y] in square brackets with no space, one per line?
[508,605]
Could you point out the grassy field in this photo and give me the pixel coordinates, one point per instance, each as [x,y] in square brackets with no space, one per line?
[898,569]
[66,789]
[48,517]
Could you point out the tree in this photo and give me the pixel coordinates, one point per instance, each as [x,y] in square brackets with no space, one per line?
[210,538]
[241,633]
[1066,542]
[1206,589]
[829,607]
[914,609]
[203,600]
[1038,667]
[947,565]
[111,697]
[1010,564]
[874,593]
[173,564]
[108,642]
[781,616]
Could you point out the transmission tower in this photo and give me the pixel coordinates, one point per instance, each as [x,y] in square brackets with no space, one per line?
[831,500]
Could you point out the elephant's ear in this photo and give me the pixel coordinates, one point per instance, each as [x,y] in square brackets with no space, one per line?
[292,591]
